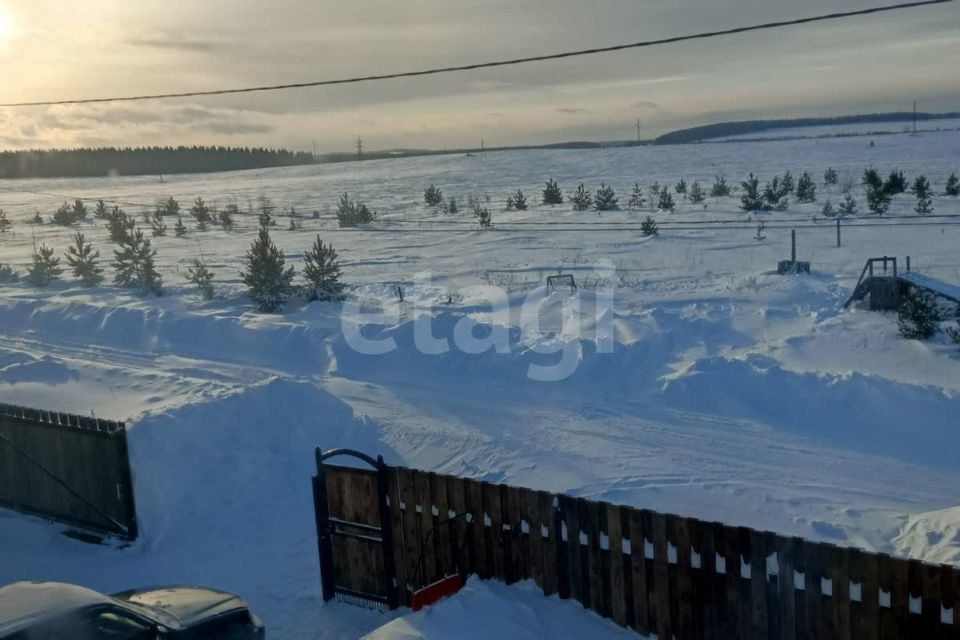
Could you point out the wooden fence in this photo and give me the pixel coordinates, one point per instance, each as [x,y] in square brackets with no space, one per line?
[659,574]
[68,468]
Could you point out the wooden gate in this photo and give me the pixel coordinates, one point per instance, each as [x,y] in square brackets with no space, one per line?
[69,468]
[353,531]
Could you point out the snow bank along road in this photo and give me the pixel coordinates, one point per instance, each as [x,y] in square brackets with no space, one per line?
[730,394]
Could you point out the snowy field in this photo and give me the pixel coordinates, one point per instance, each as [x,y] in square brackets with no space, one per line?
[730,393]
[946,126]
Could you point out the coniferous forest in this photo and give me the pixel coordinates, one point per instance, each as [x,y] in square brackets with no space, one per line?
[132,161]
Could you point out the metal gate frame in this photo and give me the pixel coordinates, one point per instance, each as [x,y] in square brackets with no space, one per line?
[328,527]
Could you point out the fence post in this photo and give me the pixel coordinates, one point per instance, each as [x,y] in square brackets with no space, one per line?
[838,233]
[386,534]
[133,529]
[321,510]
[793,245]
[561,553]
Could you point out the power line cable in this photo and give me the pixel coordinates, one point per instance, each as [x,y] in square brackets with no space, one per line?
[496,63]
[60,196]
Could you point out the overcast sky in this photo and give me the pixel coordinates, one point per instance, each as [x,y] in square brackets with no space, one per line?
[55,49]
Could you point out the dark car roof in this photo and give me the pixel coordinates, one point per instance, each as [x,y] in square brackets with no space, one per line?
[25,602]
[187,604]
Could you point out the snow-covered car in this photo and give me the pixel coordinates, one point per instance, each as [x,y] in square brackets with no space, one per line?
[55,611]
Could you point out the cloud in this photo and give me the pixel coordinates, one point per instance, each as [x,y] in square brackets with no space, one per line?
[234,128]
[120,125]
[171,42]
[104,47]
[646,105]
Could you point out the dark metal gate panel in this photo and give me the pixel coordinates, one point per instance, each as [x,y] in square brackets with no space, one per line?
[69,468]
[354,531]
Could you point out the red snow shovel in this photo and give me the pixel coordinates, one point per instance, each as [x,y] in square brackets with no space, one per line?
[436,592]
[445,587]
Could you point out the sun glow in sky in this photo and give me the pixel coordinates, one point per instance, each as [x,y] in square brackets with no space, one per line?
[55,49]
[8,27]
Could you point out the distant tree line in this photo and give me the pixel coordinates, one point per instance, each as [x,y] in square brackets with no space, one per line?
[727,129]
[132,161]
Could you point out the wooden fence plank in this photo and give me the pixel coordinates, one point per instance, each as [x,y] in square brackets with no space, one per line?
[508,530]
[648,560]
[531,510]
[869,627]
[800,592]
[510,561]
[520,518]
[476,531]
[442,525]
[661,575]
[680,528]
[606,590]
[618,602]
[456,495]
[410,531]
[813,594]
[786,588]
[840,573]
[825,552]
[428,556]
[589,553]
[900,598]
[572,520]
[759,620]
[950,597]
[709,586]
[930,599]
[956,602]
[527,515]
[591,526]
[638,573]
[746,583]
[915,622]
[670,521]
[696,577]
[893,580]
[494,531]
[729,606]
[771,541]
[886,625]
[856,570]
[396,522]
[551,544]
[563,552]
